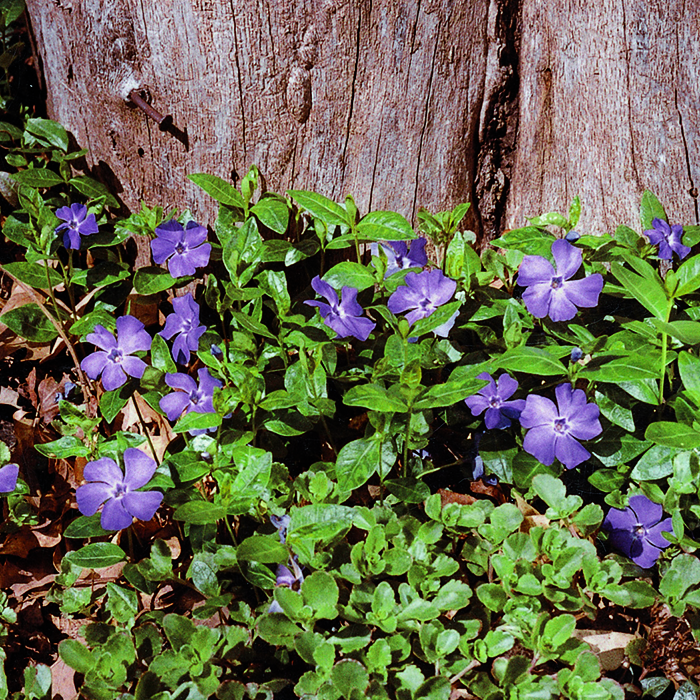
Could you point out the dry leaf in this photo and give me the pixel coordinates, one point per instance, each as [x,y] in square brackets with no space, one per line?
[608,646]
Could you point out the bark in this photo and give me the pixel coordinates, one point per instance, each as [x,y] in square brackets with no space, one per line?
[514,105]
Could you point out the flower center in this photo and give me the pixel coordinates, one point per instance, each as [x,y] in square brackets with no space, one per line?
[557,282]
[180,248]
[116,355]
[195,397]
[495,401]
[639,530]
[120,490]
[560,425]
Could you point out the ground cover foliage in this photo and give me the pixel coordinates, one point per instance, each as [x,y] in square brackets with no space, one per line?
[299,456]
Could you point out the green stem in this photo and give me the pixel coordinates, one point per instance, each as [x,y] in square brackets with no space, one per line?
[664,339]
[143,425]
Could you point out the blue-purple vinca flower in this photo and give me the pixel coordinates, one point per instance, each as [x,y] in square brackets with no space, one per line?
[400,256]
[636,530]
[189,396]
[116,358]
[183,247]
[183,322]
[493,398]
[554,429]
[344,317]
[289,578]
[422,293]
[77,223]
[668,238]
[8,478]
[119,490]
[550,290]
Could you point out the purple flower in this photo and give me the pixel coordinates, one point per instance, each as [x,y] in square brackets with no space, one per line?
[282,525]
[119,490]
[289,578]
[400,256]
[184,247]
[423,292]
[668,238]
[190,397]
[8,478]
[636,530]
[551,292]
[77,223]
[185,323]
[553,432]
[344,317]
[493,400]
[115,360]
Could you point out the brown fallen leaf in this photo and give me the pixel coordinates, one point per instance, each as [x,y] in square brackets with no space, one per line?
[464,499]
[609,646]
[62,681]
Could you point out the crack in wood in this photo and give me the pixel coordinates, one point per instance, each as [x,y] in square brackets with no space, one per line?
[240,82]
[692,189]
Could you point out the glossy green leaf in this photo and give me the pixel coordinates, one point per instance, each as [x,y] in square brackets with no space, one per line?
[151,280]
[349,274]
[199,512]
[218,189]
[673,435]
[35,275]
[37,177]
[267,550]
[30,323]
[321,207]
[97,556]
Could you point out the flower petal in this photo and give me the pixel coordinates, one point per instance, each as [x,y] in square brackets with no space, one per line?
[91,496]
[143,504]
[113,376]
[93,364]
[537,298]
[182,381]
[507,386]
[114,515]
[477,404]
[171,231]
[133,366]
[195,234]
[199,257]
[325,290]
[560,308]
[567,258]
[104,469]
[539,410]
[535,269]
[495,420]
[131,335]
[180,265]
[8,477]
[648,513]
[584,292]
[539,442]
[161,250]
[139,468]
[646,555]
[654,534]
[101,337]
[618,519]
[584,423]
[570,452]
[174,404]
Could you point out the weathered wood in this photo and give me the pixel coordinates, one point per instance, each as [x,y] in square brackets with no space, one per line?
[609,106]
[377,99]
[515,105]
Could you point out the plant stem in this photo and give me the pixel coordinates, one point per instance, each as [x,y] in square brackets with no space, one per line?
[143,425]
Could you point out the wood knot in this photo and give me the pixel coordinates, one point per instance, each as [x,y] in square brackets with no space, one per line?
[299,94]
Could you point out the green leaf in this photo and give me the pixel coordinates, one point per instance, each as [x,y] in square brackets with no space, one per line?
[93,189]
[655,463]
[449,393]
[650,209]
[34,274]
[318,521]
[435,320]
[112,402]
[650,293]
[529,239]
[633,594]
[66,446]
[348,677]
[30,323]
[408,490]
[385,226]
[267,550]
[151,280]
[360,459]
[197,421]
[218,189]
[673,435]
[87,323]
[199,512]
[97,556]
[83,527]
[38,177]
[689,367]
[272,212]
[624,369]
[531,361]
[320,591]
[76,655]
[688,276]
[321,207]
[687,332]
[435,688]
[492,596]
[160,355]
[559,630]
[49,131]
[349,274]
[376,397]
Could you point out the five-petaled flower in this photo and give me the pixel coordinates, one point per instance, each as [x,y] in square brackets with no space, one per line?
[184,247]
[77,223]
[423,292]
[108,483]
[400,256]
[8,478]
[344,317]
[493,398]
[190,397]
[288,578]
[116,359]
[553,432]
[184,321]
[668,238]
[636,530]
[550,290]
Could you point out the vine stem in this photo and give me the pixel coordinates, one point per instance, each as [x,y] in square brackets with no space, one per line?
[84,384]
[664,339]
[143,425]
